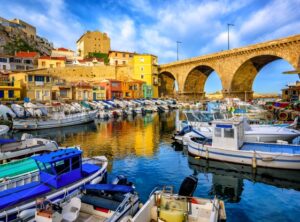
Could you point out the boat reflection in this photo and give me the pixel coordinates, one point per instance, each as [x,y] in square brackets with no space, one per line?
[227,178]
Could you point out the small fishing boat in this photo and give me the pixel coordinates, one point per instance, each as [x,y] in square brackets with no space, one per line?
[95,202]
[201,122]
[164,205]
[57,119]
[12,149]
[228,144]
[61,174]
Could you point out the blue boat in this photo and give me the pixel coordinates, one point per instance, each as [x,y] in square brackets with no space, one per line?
[61,174]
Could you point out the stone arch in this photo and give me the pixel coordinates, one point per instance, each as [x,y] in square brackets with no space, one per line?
[244,76]
[166,84]
[196,79]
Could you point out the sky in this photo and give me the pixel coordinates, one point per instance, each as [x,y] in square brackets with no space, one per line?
[154,26]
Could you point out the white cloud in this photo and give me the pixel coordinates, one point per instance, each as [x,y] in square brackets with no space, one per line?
[51,18]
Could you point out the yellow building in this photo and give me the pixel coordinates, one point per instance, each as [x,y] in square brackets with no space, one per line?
[10,90]
[145,69]
[92,42]
[61,90]
[51,62]
[120,58]
[37,86]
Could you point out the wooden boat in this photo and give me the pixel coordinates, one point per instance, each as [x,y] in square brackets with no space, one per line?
[61,174]
[58,119]
[12,149]
[164,205]
[228,144]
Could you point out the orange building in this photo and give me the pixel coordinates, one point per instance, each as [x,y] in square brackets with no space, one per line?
[133,89]
[113,88]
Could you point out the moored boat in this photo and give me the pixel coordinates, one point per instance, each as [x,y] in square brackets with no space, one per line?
[3,129]
[228,144]
[94,202]
[58,119]
[27,146]
[164,205]
[61,173]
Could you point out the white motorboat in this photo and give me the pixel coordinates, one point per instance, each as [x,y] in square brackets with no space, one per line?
[12,149]
[57,119]
[164,205]
[201,123]
[228,144]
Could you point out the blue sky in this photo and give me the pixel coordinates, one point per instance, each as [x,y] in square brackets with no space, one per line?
[155,26]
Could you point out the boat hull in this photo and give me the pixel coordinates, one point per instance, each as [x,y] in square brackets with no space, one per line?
[253,158]
[73,119]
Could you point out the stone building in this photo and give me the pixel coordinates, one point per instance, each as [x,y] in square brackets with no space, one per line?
[92,42]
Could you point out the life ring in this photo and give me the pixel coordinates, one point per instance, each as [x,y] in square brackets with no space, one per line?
[269,116]
[270,107]
[283,115]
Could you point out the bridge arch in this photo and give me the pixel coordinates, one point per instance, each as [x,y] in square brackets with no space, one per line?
[245,74]
[167,84]
[195,81]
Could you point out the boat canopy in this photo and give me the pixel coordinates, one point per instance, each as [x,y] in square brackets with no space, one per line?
[58,155]
[60,168]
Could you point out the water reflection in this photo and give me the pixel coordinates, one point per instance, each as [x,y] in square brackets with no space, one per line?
[227,178]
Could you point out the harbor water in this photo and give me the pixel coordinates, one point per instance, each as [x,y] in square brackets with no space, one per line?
[142,149]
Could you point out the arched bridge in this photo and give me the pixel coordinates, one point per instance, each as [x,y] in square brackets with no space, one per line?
[237,68]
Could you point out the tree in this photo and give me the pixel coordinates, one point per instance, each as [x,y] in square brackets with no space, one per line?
[16,45]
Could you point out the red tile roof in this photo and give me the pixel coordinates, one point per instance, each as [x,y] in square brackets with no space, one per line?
[64,49]
[53,58]
[26,54]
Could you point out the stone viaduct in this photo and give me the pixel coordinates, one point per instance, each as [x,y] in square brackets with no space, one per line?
[237,68]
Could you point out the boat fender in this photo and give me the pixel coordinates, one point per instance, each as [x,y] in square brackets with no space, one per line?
[154,213]
[188,186]
[26,214]
[127,218]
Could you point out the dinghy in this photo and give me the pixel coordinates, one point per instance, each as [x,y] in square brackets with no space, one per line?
[3,129]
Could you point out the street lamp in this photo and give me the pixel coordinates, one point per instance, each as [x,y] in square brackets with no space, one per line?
[228,25]
[178,42]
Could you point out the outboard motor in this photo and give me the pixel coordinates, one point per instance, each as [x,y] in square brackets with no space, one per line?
[120,180]
[188,186]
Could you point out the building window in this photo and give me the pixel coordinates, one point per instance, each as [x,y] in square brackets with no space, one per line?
[47,79]
[58,64]
[30,78]
[116,54]
[51,65]
[124,55]
[116,62]
[38,94]
[4,67]
[11,94]
[43,64]
[124,62]
[142,60]
[39,79]
[1,94]
[3,60]
[142,68]
[286,92]
[47,93]
[142,76]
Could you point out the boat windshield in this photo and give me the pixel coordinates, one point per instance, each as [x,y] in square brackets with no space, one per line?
[219,115]
[204,117]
